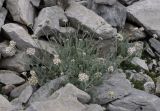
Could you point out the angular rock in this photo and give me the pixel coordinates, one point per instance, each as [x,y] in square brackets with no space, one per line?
[35,3]
[158,85]
[1,3]
[143,13]
[94,107]
[112,88]
[18,90]
[155,44]
[86,19]
[5,105]
[10,77]
[22,11]
[149,51]
[46,90]
[149,87]
[64,99]
[3,14]
[136,101]
[26,94]
[18,63]
[48,21]
[139,62]
[106,2]
[48,3]
[7,89]
[114,15]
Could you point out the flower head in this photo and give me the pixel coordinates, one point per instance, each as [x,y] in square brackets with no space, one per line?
[33,80]
[111,94]
[110,69]
[56,60]
[155,36]
[83,77]
[31,51]
[12,43]
[119,37]
[98,74]
[131,50]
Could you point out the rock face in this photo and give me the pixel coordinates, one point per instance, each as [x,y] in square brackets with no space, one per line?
[10,77]
[114,14]
[48,21]
[143,12]
[155,44]
[3,13]
[4,104]
[22,11]
[137,101]
[113,88]
[83,18]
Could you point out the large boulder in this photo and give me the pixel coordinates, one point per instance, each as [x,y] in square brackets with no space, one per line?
[136,101]
[22,11]
[112,88]
[86,19]
[143,13]
[48,21]
[10,77]
[114,14]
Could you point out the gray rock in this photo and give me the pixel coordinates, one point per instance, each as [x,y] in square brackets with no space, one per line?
[5,105]
[128,2]
[155,44]
[149,50]
[136,101]
[143,13]
[85,19]
[17,105]
[48,21]
[149,87]
[19,10]
[18,63]
[64,99]
[46,90]
[3,14]
[49,3]
[10,77]
[1,3]
[106,2]
[112,88]
[139,62]
[35,3]
[26,94]
[158,85]
[114,15]
[94,107]
[18,90]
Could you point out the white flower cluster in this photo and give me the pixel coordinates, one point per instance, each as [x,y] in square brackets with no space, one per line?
[98,74]
[33,80]
[110,69]
[119,37]
[83,77]
[131,50]
[31,51]
[11,49]
[56,60]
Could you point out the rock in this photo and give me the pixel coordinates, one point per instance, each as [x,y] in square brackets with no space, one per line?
[18,90]
[26,94]
[114,15]
[17,105]
[18,63]
[158,85]
[64,99]
[35,3]
[112,88]
[139,62]
[49,3]
[10,77]
[5,105]
[19,10]
[149,87]
[105,2]
[1,3]
[136,101]
[7,89]
[94,107]
[46,90]
[48,21]
[155,44]
[85,19]
[149,51]
[3,14]
[143,13]
[128,2]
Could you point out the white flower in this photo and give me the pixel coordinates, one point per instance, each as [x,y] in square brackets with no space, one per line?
[10,51]
[24,73]
[84,54]
[83,77]
[33,80]
[138,45]
[56,61]
[155,36]
[110,69]
[111,94]
[98,74]
[73,60]
[131,50]
[119,37]
[56,56]
[31,51]
[62,73]
[12,43]
[141,29]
